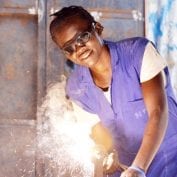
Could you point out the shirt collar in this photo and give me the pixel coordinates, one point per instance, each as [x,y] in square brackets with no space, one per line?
[113,53]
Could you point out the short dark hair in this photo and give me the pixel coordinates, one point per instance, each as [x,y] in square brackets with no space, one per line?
[67,12]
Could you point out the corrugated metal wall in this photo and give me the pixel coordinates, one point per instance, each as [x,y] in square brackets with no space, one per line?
[29,61]
[18,87]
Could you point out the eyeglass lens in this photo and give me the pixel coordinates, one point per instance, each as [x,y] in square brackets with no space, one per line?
[82,39]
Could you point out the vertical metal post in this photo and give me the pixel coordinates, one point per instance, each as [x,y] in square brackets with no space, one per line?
[41,73]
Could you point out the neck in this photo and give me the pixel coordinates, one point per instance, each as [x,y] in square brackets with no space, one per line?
[103,63]
[102,71]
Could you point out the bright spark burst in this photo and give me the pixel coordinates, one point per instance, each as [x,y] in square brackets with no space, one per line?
[63,142]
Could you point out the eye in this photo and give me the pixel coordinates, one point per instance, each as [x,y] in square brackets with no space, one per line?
[83,38]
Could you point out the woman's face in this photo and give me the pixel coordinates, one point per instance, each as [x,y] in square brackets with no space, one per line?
[80,43]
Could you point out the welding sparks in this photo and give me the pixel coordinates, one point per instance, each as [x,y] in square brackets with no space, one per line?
[63,141]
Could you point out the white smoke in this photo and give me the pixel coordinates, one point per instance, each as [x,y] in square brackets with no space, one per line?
[64,143]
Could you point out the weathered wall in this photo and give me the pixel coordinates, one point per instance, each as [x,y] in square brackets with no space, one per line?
[19,86]
[29,61]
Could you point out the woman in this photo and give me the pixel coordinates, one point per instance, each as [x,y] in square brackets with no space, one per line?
[127,84]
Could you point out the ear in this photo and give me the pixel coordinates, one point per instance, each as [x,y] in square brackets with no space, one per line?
[98,28]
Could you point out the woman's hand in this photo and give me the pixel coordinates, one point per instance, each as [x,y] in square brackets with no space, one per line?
[111,163]
[133,172]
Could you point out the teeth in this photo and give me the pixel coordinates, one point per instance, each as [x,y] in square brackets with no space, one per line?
[85,54]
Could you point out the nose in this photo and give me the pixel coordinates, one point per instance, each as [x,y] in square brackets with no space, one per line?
[77,46]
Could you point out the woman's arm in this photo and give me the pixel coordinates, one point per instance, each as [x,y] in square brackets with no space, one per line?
[156,105]
[102,137]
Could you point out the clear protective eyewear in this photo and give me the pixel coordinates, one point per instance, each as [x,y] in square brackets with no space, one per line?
[81,40]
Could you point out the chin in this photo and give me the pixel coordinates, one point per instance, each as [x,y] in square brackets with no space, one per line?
[90,63]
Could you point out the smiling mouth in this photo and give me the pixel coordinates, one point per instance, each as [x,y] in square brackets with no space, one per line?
[85,55]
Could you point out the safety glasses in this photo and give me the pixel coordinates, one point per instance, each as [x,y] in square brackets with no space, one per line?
[80,40]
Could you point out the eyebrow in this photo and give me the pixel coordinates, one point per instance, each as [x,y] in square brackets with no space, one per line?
[67,43]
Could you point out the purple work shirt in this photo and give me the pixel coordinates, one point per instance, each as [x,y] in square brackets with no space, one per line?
[126,118]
